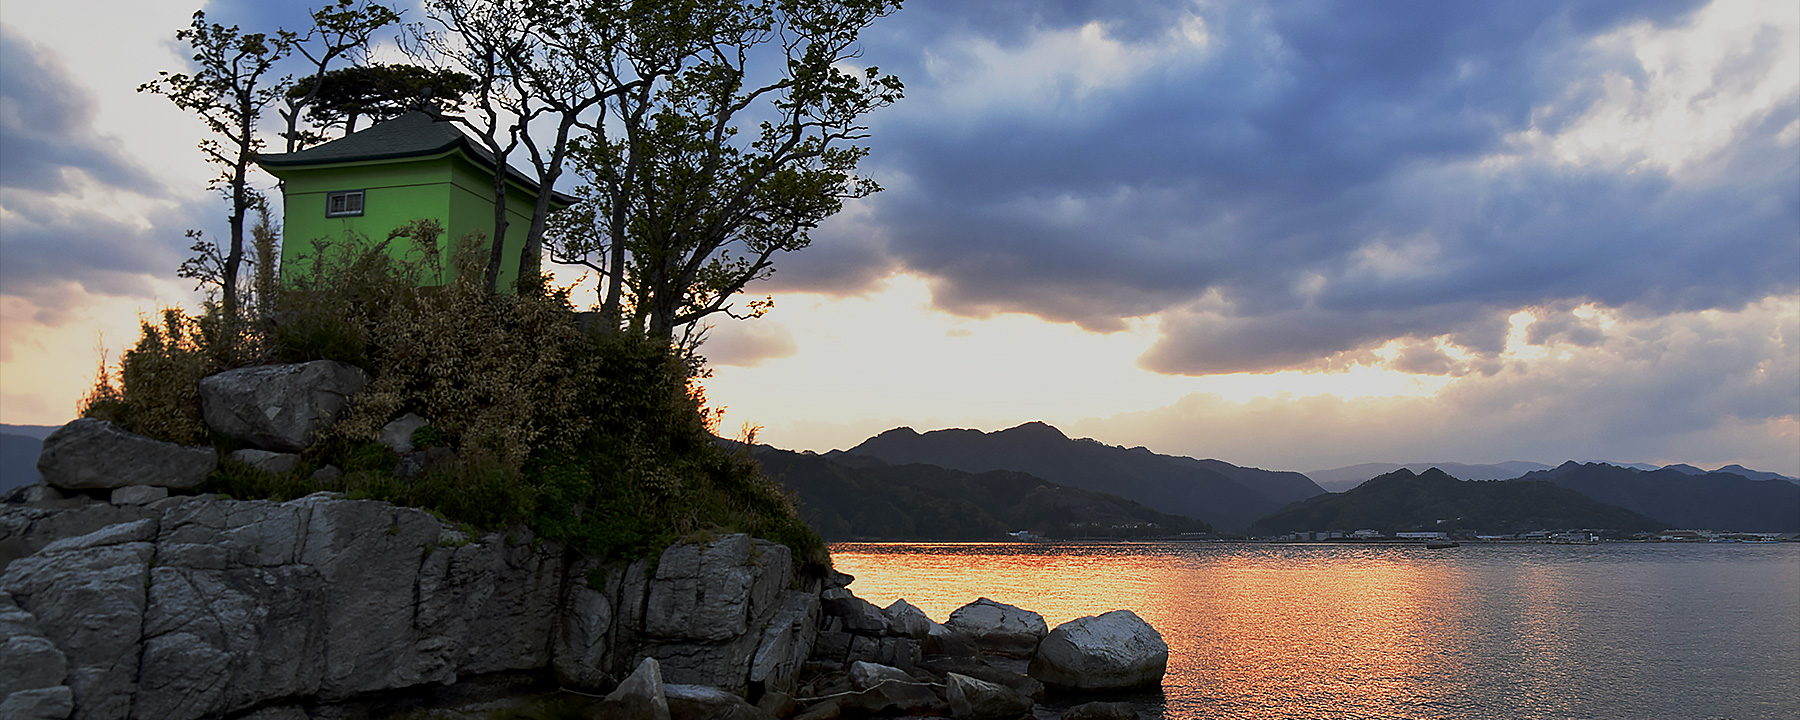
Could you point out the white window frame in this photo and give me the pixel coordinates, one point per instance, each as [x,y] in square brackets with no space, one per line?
[358,198]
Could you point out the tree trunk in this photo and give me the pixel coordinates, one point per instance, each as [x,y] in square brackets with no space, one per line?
[497,251]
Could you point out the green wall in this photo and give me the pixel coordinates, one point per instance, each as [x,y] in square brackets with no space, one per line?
[449,188]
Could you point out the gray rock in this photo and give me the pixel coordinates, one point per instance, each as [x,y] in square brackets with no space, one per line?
[1101,711]
[905,619]
[860,616]
[981,700]
[88,598]
[999,628]
[886,690]
[704,610]
[397,435]
[583,644]
[138,495]
[700,702]
[865,675]
[786,642]
[328,476]
[115,534]
[944,641]
[26,530]
[1115,650]
[267,461]
[420,462]
[53,703]
[28,660]
[278,407]
[641,697]
[89,454]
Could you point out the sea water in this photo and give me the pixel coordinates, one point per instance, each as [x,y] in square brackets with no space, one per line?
[1402,631]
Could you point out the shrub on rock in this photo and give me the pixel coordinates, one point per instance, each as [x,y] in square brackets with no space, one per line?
[1112,651]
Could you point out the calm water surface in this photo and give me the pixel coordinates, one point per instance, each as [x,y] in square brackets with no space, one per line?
[1365,631]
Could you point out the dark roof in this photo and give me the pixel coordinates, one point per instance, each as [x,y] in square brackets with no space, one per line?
[415,134]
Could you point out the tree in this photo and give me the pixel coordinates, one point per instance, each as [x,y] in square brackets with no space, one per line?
[338,31]
[228,89]
[700,175]
[378,92]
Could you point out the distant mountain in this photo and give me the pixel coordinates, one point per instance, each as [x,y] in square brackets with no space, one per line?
[31,431]
[1344,478]
[1713,501]
[870,500]
[1225,495]
[18,460]
[1736,469]
[1402,501]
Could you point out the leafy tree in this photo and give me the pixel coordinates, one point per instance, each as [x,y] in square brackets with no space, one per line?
[340,31]
[379,92]
[229,88]
[743,142]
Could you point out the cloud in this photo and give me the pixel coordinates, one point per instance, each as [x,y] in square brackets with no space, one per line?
[1285,185]
[1704,386]
[748,343]
[47,131]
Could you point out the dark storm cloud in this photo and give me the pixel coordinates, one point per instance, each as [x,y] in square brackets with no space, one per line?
[47,133]
[1317,170]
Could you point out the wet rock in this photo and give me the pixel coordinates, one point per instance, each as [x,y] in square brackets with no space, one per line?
[701,702]
[999,628]
[1112,651]
[266,461]
[1101,711]
[981,700]
[640,697]
[278,407]
[89,454]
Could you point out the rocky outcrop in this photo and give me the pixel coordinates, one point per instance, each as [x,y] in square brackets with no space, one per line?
[196,607]
[1111,651]
[999,628]
[90,454]
[278,407]
[267,461]
[974,699]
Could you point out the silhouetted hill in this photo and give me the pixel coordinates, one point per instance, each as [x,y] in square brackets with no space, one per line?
[1401,501]
[872,500]
[1225,495]
[1736,469]
[1713,501]
[18,460]
[1344,478]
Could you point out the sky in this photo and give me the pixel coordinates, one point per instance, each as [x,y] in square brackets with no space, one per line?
[1294,235]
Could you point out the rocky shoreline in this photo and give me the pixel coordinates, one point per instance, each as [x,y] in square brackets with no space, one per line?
[326,607]
[124,595]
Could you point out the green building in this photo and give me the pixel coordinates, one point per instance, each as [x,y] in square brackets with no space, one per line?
[416,166]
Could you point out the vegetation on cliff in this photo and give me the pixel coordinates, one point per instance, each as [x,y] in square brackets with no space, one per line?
[598,439]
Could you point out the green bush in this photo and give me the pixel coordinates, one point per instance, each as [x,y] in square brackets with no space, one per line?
[602,441]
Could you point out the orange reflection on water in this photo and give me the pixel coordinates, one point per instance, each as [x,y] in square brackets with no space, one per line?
[1248,632]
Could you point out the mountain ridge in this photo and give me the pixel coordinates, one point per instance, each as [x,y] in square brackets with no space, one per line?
[1227,496]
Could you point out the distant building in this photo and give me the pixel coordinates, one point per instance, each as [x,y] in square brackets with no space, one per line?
[1366,534]
[1422,535]
[414,167]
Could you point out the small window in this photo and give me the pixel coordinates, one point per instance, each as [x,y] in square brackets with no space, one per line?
[343,203]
